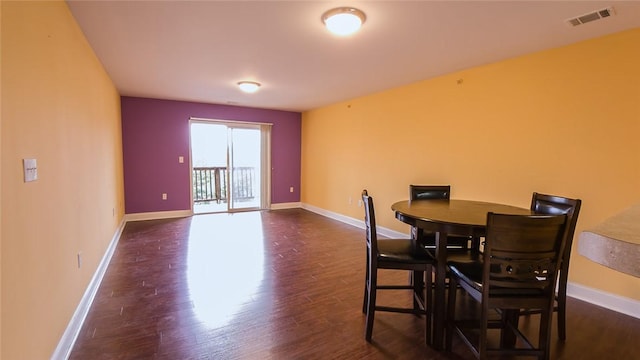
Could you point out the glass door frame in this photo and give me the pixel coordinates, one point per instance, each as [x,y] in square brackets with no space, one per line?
[265,160]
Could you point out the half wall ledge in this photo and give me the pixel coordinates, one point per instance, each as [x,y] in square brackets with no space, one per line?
[615,243]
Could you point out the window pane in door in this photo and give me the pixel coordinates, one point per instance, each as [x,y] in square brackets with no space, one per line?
[245,168]
[209,167]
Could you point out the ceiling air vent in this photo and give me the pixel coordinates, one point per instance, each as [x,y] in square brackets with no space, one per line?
[592,16]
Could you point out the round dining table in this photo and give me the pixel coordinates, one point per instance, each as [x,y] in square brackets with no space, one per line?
[443,217]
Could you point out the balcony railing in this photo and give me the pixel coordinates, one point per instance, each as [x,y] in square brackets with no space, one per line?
[210,184]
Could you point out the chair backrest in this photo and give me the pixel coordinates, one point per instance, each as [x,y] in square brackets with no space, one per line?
[521,254]
[434,192]
[370,224]
[557,205]
[430,192]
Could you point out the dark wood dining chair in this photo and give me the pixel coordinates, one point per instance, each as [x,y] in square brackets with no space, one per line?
[457,246]
[428,240]
[558,205]
[393,254]
[521,259]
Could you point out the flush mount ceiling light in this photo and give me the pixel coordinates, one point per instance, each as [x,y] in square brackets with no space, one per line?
[249,86]
[343,21]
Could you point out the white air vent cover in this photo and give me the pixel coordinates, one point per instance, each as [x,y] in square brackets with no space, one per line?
[595,15]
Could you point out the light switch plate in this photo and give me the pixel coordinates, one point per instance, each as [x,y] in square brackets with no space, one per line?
[30,170]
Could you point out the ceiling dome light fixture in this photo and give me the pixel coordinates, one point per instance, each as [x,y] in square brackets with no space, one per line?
[343,21]
[249,86]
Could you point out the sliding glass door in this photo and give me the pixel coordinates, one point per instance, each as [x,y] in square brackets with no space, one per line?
[230,170]
[244,168]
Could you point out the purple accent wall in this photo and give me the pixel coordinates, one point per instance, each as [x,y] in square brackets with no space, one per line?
[156,132]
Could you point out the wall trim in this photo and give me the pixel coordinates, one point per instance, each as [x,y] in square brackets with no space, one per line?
[157,215]
[359,223]
[290,205]
[604,299]
[63,350]
[593,296]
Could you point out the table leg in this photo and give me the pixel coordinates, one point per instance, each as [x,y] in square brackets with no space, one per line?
[508,338]
[416,279]
[439,303]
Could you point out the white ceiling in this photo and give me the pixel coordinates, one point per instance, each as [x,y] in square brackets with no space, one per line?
[198,50]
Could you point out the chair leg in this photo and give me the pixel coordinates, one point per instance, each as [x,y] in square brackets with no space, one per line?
[484,328]
[418,286]
[371,304]
[562,305]
[475,244]
[544,339]
[451,313]
[365,297]
[428,304]
[365,301]
[562,316]
[507,337]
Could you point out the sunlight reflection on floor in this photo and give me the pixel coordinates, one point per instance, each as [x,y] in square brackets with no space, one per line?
[225,264]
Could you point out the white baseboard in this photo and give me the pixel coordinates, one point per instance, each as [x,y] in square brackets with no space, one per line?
[593,296]
[290,205]
[359,223]
[157,215]
[63,350]
[604,299]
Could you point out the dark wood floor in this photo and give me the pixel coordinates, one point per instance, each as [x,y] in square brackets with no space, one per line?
[283,284]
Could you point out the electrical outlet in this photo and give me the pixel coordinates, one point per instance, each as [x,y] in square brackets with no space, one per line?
[359,203]
[291,189]
[164,196]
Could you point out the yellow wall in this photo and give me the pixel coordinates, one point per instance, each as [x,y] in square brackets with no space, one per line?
[0,185]
[564,121]
[60,107]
